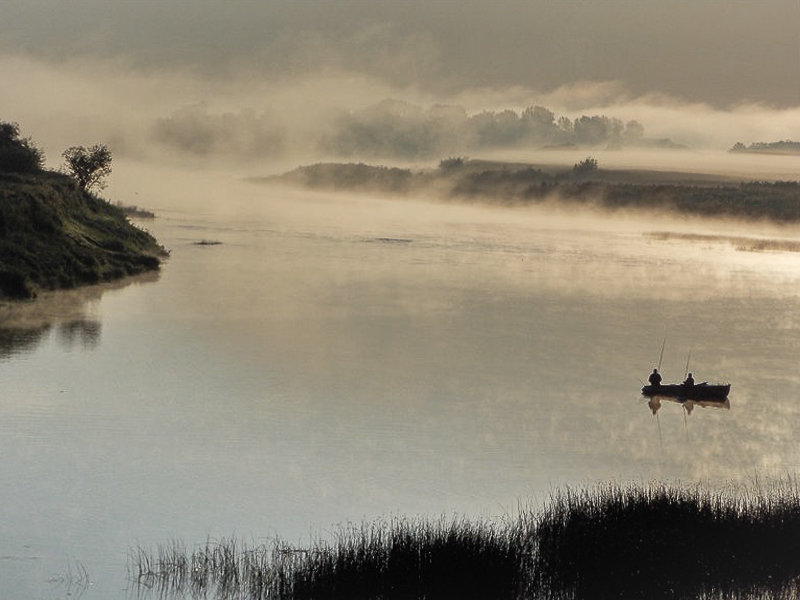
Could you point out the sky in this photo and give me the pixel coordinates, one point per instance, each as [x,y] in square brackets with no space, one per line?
[720,52]
[709,57]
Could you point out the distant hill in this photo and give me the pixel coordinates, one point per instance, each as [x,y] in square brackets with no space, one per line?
[53,234]
[782,147]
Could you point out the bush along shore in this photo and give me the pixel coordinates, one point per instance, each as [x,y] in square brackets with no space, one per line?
[55,234]
[639,541]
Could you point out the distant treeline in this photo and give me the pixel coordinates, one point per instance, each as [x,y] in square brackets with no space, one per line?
[394,129]
[584,183]
[197,132]
[782,147]
[399,129]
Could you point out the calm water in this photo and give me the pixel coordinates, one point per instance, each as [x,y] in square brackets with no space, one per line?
[339,359]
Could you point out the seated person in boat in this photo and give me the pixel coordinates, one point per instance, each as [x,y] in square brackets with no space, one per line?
[689,382]
[655,378]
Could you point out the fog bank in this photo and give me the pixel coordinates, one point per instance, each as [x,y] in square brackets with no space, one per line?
[241,118]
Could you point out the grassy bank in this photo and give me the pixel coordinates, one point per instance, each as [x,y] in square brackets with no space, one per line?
[639,542]
[520,184]
[55,235]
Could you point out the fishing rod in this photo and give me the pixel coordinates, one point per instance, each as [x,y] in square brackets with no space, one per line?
[686,372]
[661,356]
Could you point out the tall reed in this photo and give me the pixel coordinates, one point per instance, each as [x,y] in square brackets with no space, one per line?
[637,541]
[660,541]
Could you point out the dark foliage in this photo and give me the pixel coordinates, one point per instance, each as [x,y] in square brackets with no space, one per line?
[782,147]
[454,162]
[350,176]
[668,542]
[586,167]
[17,154]
[88,166]
[777,201]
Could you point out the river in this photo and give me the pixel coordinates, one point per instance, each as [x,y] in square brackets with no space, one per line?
[335,358]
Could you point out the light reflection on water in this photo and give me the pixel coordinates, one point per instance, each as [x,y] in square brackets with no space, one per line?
[306,372]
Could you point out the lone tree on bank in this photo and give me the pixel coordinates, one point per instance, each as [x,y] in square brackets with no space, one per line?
[89,166]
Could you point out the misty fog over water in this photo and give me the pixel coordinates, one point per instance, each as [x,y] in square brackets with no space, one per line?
[338,358]
[305,358]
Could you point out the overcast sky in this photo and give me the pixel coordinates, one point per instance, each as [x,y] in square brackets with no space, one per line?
[719,52]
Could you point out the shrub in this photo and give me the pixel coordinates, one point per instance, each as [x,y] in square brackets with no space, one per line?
[88,166]
[17,154]
[586,167]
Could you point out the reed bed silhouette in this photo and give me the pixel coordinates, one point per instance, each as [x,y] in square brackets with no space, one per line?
[396,558]
[632,541]
[664,541]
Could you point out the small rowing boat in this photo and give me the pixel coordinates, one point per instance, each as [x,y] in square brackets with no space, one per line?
[689,392]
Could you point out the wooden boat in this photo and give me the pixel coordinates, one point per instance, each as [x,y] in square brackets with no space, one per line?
[694,392]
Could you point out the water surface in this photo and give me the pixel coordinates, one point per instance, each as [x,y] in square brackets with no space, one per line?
[337,359]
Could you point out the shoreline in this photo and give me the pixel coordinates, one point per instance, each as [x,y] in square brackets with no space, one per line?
[58,236]
[585,184]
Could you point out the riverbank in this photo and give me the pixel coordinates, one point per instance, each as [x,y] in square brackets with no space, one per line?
[584,184]
[54,235]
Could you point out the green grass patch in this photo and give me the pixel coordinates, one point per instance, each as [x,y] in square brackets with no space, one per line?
[55,235]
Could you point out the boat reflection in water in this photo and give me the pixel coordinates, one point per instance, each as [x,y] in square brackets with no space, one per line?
[691,395]
[689,404]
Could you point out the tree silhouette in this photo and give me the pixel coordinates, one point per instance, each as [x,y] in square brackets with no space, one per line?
[89,166]
[585,167]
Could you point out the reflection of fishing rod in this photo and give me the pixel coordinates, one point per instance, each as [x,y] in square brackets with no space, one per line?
[660,438]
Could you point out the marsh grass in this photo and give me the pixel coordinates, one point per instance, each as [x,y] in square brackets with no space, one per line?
[610,541]
[662,541]
[397,558]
